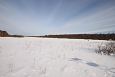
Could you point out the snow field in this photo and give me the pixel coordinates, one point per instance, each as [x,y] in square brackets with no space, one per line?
[51,57]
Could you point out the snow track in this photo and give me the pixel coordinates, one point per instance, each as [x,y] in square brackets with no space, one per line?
[107,70]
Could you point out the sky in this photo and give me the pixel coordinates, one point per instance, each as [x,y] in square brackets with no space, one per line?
[42,17]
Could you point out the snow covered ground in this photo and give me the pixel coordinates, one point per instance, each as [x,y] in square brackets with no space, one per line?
[51,57]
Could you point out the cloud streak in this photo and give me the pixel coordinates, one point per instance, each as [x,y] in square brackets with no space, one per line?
[39,17]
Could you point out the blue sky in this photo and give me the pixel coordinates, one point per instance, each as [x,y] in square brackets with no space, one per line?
[41,17]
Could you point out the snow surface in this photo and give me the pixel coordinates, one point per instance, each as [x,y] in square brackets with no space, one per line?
[51,57]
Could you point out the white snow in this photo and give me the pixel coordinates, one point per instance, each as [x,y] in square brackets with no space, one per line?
[51,57]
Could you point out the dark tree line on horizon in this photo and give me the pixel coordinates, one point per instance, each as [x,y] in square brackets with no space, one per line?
[108,36]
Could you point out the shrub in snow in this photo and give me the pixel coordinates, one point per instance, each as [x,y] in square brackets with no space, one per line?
[106,49]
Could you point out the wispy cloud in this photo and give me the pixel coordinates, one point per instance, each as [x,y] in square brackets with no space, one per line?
[34,17]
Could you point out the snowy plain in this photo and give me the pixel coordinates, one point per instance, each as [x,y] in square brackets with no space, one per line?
[52,57]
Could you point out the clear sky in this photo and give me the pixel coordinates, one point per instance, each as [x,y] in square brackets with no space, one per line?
[41,17]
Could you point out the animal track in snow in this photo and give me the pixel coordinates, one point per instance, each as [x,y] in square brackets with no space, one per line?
[92,64]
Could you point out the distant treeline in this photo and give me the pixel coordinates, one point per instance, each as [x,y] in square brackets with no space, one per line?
[110,36]
[3,33]
[6,34]
[16,36]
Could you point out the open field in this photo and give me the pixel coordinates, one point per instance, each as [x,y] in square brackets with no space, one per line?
[52,57]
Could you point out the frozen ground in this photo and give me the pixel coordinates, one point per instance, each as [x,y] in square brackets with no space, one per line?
[47,57]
